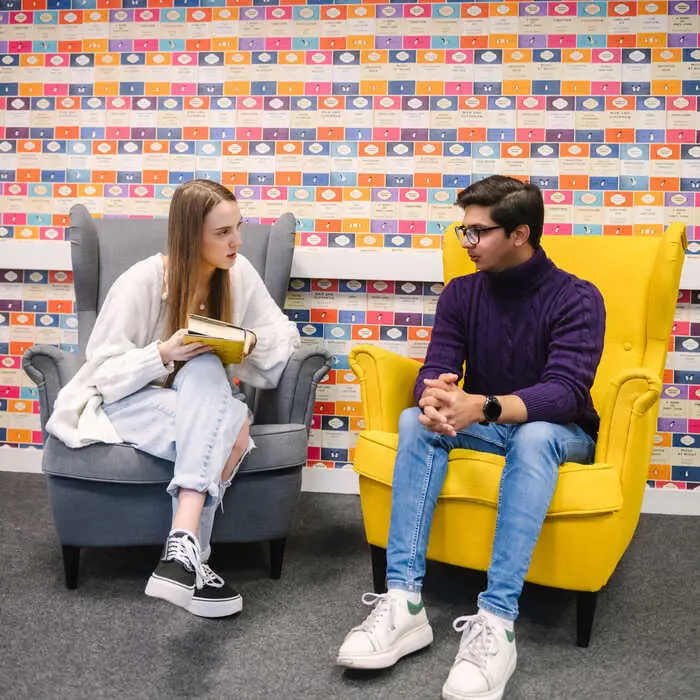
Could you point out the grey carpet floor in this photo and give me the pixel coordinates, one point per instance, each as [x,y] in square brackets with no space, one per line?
[108,640]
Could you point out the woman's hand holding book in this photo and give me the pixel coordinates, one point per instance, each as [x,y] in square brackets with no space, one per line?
[174,348]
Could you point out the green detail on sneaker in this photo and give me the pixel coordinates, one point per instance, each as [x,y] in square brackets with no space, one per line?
[414,608]
[510,636]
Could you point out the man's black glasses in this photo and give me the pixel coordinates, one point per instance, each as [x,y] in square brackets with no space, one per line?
[472,234]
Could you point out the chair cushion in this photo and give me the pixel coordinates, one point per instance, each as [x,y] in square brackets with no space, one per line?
[279,446]
[582,489]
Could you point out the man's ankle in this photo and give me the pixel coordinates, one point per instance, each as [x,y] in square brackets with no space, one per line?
[497,619]
[413,597]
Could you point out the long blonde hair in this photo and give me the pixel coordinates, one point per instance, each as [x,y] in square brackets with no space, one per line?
[189,207]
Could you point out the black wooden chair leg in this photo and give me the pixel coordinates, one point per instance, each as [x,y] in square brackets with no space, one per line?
[585,611]
[378,568]
[276,556]
[71,561]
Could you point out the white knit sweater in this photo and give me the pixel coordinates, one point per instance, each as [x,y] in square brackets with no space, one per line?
[122,353]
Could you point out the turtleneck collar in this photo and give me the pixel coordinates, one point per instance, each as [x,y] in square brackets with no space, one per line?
[521,280]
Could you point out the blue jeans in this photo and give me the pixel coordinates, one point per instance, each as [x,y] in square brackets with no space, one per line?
[533,451]
[194,425]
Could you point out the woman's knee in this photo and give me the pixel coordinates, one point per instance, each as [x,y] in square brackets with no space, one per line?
[243,438]
[201,369]
[240,446]
[241,443]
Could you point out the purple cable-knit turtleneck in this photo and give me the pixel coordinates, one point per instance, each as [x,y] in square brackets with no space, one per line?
[533,330]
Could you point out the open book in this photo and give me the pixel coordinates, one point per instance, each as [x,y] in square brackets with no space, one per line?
[231,343]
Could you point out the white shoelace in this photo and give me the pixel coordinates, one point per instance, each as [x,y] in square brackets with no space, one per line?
[478,639]
[210,578]
[181,548]
[382,608]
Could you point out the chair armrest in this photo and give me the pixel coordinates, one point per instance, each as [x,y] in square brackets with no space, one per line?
[386,385]
[628,421]
[50,369]
[293,399]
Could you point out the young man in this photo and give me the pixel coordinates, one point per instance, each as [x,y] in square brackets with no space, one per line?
[530,337]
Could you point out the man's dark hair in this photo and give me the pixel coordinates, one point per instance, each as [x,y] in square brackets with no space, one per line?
[512,203]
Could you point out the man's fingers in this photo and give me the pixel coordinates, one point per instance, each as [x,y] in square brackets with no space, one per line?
[425,421]
[431,425]
[444,397]
[433,414]
[429,400]
[438,385]
[447,379]
[437,427]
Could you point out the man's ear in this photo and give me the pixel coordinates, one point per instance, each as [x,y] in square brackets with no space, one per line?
[521,234]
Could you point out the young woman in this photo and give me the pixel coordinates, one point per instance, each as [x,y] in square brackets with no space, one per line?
[142,386]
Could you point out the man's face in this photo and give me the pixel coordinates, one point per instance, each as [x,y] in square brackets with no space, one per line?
[495,251]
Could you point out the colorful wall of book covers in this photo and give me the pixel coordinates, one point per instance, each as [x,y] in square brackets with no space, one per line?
[364,119]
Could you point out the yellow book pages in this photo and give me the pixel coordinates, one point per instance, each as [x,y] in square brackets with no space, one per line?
[231,352]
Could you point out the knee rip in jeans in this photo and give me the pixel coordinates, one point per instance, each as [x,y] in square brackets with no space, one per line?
[225,483]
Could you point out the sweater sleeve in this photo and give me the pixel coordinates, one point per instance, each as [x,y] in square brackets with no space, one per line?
[574,353]
[120,349]
[447,349]
[277,336]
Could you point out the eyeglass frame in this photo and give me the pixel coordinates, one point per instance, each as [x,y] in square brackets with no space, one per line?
[463,233]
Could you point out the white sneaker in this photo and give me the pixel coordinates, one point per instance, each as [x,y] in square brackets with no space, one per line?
[394,628]
[485,660]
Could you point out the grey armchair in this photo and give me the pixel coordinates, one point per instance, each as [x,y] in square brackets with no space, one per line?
[112,495]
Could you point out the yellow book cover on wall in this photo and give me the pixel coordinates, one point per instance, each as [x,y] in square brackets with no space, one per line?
[231,343]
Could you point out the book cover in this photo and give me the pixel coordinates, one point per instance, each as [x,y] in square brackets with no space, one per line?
[231,343]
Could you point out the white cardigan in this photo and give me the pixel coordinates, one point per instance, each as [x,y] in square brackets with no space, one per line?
[122,353]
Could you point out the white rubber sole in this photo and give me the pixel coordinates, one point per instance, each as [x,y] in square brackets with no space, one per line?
[165,589]
[219,608]
[412,641]
[493,694]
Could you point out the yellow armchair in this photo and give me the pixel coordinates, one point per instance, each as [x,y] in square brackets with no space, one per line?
[595,508]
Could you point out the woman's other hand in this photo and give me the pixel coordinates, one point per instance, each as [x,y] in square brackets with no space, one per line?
[174,349]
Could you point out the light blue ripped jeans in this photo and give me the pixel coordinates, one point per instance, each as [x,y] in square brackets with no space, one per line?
[533,451]
[194,425]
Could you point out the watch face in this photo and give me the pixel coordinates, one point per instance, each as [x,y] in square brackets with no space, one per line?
[492,408]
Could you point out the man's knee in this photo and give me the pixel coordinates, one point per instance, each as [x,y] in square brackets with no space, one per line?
[409,420]
[539,437]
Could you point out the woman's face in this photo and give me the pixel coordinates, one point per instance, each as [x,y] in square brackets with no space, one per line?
[221,236]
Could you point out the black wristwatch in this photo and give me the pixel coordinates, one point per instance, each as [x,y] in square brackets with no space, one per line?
[492,410]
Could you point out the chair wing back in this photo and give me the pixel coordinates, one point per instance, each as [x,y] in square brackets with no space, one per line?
[638,278]
[82,235]
[101,249]
[270,248]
